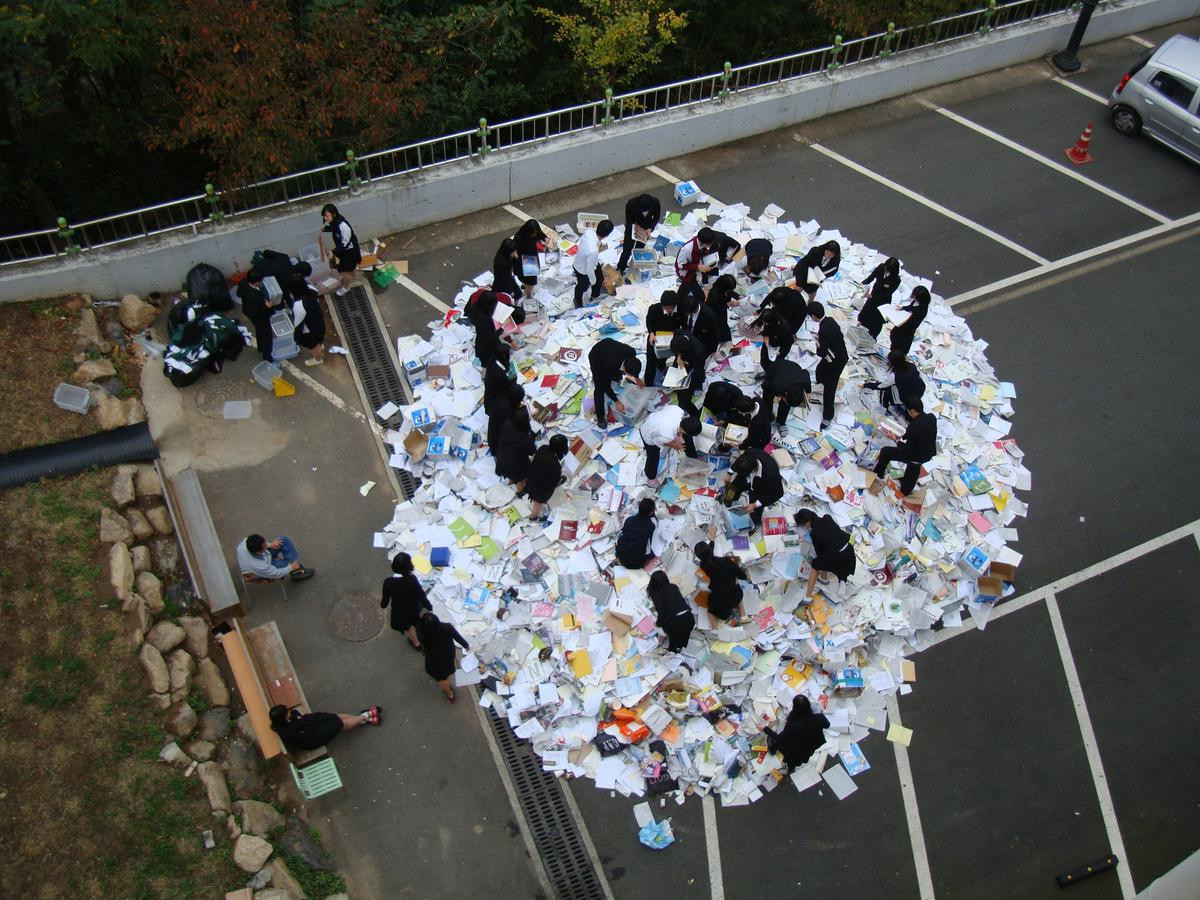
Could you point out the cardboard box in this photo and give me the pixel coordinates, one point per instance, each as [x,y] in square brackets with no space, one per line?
[991,589]
[1003,571]
[687,193]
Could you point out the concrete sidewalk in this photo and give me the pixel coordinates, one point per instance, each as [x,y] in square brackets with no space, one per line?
[423,812]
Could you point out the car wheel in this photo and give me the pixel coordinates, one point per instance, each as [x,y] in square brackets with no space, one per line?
[1126,120]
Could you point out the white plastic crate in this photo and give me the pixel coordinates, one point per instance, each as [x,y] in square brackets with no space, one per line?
[265,374]
[71,398]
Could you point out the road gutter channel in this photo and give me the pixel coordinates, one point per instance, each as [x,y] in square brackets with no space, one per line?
[531,848]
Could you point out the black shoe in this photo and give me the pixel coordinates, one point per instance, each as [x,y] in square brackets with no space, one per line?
[302,573]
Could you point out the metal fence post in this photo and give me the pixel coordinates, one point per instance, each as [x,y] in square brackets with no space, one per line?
[213,199]
[887,41]
[837,49]
[1065,60]
[988,15]
[725,81]
[351,166]
[608,119]
[67,236]
[482,134]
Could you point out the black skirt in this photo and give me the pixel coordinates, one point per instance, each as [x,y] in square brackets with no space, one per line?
[841,564]
[439,662]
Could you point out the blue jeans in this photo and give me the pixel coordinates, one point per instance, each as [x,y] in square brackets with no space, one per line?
[286,554]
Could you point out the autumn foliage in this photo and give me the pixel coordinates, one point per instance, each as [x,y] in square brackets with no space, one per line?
[262,90]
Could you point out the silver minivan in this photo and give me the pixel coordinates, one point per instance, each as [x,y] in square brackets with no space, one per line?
[1159,96]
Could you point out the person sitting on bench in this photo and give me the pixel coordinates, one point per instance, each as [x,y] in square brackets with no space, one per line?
[310,731]
[268,561]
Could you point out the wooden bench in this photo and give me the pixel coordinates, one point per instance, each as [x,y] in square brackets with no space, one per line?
[265,677]
[201,548]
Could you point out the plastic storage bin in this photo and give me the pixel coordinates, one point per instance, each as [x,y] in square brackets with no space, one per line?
[71,398]
[265,374]
[284,348]
[281,325]
[310,252]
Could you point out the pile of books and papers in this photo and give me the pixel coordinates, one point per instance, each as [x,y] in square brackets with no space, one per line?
[563,639]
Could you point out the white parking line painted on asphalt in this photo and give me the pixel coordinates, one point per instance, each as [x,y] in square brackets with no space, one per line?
[713,846]
[422,293]
[320,389]
[912,813]
[1061,168]
[925,201]
[1138,39]
[665,176]
[1074,259]
[1069,581]
[1107,811]
[1080,89]
[508,207]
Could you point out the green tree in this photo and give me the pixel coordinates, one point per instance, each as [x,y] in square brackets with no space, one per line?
[613,41]
[861,17]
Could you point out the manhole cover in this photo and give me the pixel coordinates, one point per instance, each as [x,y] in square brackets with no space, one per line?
[211,397]
[356,617]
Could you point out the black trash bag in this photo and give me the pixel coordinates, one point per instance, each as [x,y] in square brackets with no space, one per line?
[206,287]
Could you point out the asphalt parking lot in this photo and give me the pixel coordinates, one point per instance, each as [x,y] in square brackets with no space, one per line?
[1067,728]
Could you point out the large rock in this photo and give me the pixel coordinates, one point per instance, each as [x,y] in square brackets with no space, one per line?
[87,333]
[140,557]
[166,636]
[160,701]
[166,561]
[147,481]
[212,686]
[93,370]
[273,893]
[181,668]
[201,751]
[282,879]
[180,719]
[149,588]
[122,489]
[134,410]
[214,725]
[244,768]
[155,668]
[120,570]
[196,630]
[135,314]
[114,527]
[250,853]
[160,518]
[212,777]
[246,728]
[109,411]
[172,754]
[139,524]
[139,620]
[257,817]
[297,841]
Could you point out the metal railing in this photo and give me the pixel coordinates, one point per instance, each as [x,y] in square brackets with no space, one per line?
[208,209]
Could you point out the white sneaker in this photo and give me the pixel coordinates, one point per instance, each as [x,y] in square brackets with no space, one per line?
[313,361]
[342,292]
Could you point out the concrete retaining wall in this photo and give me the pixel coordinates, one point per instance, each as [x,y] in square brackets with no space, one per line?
[456,189]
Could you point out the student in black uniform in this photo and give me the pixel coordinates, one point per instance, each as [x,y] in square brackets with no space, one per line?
[758,257]
[642,213]
[438,638]
[831,351]
[720,295]
[724,246]
[403,592]
[527,238]
[515,446]
[757,472]
[790,383]
[919,445]
[692,355]
[760,426]
[661,316]
[545,475]
[673,615]
[495,375]
[487,332]
[308,319]
[884,279]
[724,592]
[633,543]
[346,254]
[789,303]
[726,402]
[505,269]
[778,335]
[611,363]
[256,307]
[697,318]
[905,382]
[311,731]
[826,259]
[803,734]
[904,333]
[831,547]
[499,408]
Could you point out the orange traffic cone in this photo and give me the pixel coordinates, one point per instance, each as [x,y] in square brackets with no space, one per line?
[1079,153]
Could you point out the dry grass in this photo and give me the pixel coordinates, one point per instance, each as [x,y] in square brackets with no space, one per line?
[87,812]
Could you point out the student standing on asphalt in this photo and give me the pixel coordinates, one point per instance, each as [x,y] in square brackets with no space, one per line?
[403,592]
[346,254]
[587,262]
[438,638]
[642,215]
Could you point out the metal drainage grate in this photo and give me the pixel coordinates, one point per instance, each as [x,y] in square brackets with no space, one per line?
[559,844]
[369,353]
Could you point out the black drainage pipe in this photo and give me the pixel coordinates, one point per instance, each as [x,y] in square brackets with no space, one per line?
[129,443]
